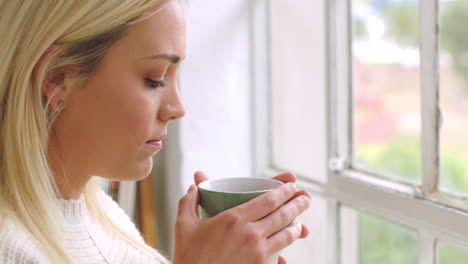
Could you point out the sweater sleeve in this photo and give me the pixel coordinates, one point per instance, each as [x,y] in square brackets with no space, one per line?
[17,248]
[118,215]
[17,256]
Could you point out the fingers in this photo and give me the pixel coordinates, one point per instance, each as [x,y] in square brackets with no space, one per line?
[199,177]
[284,238]
[188,205]
[305,232]
[281,260]
[286,177]
[265,204]
[283,216]
[301,192]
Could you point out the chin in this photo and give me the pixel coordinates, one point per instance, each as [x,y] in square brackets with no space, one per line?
[135,176]
[136,173]
[144,170]
[130,171]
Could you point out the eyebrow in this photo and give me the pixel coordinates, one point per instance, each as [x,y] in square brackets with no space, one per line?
[173,58]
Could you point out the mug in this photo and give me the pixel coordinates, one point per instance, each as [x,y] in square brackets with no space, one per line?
[219,195]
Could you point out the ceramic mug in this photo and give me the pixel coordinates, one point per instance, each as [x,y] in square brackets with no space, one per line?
[219,195]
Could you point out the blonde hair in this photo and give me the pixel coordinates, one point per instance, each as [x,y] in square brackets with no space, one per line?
[83,31]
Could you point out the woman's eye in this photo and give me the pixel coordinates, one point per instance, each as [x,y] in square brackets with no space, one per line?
[155,84]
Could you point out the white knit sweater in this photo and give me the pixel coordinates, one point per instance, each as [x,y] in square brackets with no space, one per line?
[87,243]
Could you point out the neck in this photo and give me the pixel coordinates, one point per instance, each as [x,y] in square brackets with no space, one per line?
[70,182]
[70,179]
[70,189]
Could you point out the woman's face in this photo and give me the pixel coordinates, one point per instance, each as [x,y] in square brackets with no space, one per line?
[112,126]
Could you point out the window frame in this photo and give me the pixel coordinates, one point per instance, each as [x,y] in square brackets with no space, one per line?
[432,213]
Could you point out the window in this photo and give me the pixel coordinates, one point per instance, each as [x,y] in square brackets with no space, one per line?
[381,87]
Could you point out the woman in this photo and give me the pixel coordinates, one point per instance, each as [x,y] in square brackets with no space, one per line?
[87,89]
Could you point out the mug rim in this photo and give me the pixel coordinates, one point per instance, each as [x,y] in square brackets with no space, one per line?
[202,186]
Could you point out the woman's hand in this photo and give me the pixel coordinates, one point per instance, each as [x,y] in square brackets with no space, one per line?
[248,233]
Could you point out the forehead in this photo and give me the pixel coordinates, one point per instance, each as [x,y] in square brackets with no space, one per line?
[162,32]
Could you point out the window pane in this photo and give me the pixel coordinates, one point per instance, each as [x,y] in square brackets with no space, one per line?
[384,242]
[454,94]
[450,254]
[386,87]
[298,87]
[313,248]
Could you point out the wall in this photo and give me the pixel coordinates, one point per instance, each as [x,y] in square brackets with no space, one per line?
[214,80]
[216,134]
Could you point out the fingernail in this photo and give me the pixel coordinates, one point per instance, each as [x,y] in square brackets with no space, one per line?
[292,185]
[305,199]
[191,188]
[298,227]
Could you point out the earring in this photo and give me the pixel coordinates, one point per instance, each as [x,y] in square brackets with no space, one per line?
[60,103]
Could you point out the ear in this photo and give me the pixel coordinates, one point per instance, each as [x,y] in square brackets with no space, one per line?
[54,88]
[54,82]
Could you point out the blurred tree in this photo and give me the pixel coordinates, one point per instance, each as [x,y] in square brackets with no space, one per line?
[381,242]
[402,22]
[381,5]
[384,242]
[446,253]
[359,28]
[381,157]
[455,169]
[453,35]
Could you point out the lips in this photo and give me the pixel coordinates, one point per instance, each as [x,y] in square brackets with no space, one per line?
[157,144]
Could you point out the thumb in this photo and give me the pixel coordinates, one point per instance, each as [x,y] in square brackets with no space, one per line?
[188,205]
[199,177]
[281,260]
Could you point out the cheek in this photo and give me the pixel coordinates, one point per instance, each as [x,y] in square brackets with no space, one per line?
[107,136]
[136,118]
[112,117]
[131,118]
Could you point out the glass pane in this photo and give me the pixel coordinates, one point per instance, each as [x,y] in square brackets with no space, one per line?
[450,254]
[311,249]
[384,242]
[454,94]
[298,87]
[386,87]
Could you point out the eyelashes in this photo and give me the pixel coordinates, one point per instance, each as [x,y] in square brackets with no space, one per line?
[155,84]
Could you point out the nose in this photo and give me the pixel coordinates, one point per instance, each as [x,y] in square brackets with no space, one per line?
[173,107]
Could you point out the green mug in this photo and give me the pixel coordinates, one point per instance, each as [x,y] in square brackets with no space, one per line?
[219,195]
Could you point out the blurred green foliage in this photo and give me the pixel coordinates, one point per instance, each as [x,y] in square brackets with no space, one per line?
[401,157]
[402,26]
[383,242]
[454,170]
[359,28]
[402,22]
[446,252]
[453,36]
[386,243]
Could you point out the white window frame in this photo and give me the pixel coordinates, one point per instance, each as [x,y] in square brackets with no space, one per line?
[434,214]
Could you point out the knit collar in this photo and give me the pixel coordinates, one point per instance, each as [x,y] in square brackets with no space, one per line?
[74,210]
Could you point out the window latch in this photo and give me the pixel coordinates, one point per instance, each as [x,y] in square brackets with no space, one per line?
[337,164]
